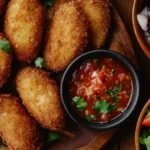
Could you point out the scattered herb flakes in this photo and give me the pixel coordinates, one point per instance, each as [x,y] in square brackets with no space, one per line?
[53,136]
[90,117]
[80,103]
[98,96]
[49,3]
[40,62]
[112,107]
[5,46]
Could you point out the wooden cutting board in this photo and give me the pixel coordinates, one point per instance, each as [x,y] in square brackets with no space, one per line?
[86,139]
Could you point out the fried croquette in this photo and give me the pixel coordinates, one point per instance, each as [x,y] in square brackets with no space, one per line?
[5,64]
[24,25]
[98,16]
[40,96]
[67,37]
[17,128]
[2,5]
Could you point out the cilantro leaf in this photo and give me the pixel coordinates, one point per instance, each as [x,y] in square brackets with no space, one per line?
[148,112]
[53,136]
[49,3]
[95,60]
[80,103]
[1,145]
[40,62]
[113,72]
[5,46]
[108,92]
[112,107]
[90,117]
[101,106]
[147,142]
[141,141]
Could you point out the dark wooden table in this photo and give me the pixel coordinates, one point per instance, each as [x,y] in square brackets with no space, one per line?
[124,139]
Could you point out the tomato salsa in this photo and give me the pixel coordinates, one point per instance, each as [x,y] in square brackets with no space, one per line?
[100,89]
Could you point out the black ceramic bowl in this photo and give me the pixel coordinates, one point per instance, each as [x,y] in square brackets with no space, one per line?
[67,77]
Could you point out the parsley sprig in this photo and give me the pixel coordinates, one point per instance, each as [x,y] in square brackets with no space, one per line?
[90,117]
[79,103]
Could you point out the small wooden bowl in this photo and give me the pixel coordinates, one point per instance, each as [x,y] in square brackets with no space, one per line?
[138,31]
[138,126]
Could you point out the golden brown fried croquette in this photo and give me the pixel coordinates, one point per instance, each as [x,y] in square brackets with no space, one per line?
[67,36]
[98,16]
[17,128]
[5,64]
[40,96]
[2,5]
[24,22]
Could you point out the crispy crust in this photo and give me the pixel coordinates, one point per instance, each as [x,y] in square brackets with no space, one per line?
[40,96]
[5,64]
[2,5]
[67,37]
[98,16]
[17,128]
[23,26]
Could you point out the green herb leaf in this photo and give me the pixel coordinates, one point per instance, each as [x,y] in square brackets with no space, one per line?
[90,117]
[108,92]
[80,103]
[113,72]
[112,107]
[141,141]
[95,60]
[115,99]
[147,142]
[148,112]
[53,136]
[40,62]
[5,46]
[49,3]
[101,106]
[1,144]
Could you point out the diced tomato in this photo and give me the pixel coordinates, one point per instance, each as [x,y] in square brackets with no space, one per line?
[101,75]
[146,121]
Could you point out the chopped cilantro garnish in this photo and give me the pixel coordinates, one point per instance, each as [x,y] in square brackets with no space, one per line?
[148,112]
[113,72]
[95,60]
[145,138]
[49,3]
[108,92]
[90,117]
[5,46]
[80,103]
[102,106]
[98,96]
[40,62]
[53,136]
[1,144]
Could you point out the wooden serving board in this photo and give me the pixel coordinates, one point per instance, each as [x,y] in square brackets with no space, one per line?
[87,139]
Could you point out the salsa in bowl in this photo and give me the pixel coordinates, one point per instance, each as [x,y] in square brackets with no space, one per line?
[100,89]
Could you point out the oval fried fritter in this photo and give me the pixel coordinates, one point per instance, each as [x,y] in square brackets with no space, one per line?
[24,22]
[5,64]
[67,36]
[17,128]
[98,16]
[40,96]
[2,5]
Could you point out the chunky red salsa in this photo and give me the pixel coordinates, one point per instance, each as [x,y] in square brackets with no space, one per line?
[100,89]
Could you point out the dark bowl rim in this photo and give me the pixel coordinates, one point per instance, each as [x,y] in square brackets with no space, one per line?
[127,64]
